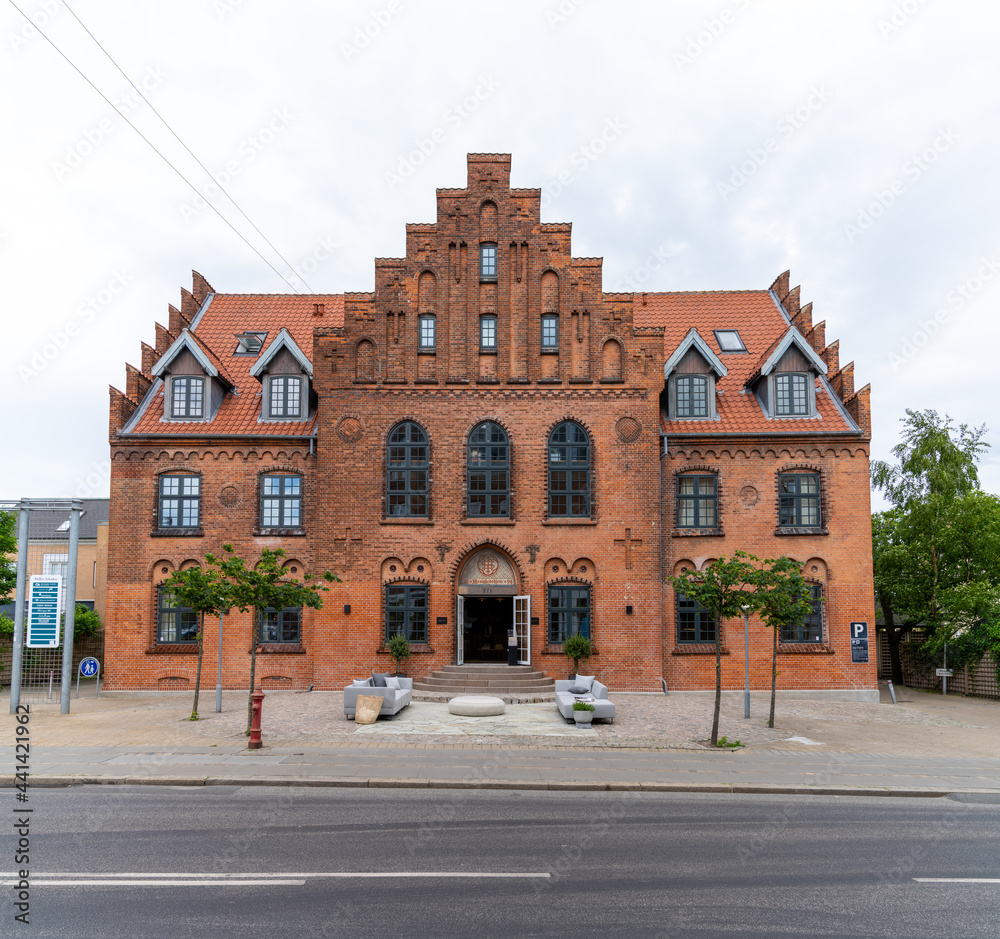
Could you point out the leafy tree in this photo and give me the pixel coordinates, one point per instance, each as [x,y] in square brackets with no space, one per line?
[264,586]
[8,548]
[723,590]
[579,649]
[204,591]
[399,649]
[936,551]
[781,598]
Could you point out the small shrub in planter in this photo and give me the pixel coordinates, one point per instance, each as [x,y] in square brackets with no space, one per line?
[399,649]
[579,649]
[583,712]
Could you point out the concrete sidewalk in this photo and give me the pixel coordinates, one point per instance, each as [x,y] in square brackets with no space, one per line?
[925,745]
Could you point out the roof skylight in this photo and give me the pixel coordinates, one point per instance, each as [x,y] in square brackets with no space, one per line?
[729,340]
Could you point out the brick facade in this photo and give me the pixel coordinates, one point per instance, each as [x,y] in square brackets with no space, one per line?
[448,340]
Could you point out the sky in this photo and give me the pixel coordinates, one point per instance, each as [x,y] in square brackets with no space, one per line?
[694,146]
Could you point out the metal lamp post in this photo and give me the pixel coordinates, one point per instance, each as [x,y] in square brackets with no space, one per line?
[746,661]
[218,681]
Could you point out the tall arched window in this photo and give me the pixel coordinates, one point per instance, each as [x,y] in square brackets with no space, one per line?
[569,471]
[406,471]
[488,472]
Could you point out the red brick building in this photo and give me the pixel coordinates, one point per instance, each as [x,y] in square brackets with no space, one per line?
[490,442]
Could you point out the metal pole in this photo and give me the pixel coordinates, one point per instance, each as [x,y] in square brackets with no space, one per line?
[76,510]
[746,663]
[218,682]
[944,678]
[22,580]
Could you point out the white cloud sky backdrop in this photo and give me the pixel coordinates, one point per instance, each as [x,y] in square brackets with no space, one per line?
[700,146]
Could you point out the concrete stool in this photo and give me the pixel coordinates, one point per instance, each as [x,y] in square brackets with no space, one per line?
[476,705]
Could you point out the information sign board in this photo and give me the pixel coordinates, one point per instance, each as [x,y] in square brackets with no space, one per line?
[859,643]
[44,604]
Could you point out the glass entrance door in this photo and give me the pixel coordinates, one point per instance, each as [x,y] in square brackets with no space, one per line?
[522,629]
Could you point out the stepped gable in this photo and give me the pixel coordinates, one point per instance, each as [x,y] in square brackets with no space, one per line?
[761,325]
[214,326]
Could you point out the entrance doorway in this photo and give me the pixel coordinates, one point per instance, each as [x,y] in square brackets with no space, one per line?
[486,621]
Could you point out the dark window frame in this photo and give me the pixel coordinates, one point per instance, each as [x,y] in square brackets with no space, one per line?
[565,619]
[689,397]
[489,261]
[799,633]
[284,411]
[184,502]
[185,621]
[287,624]
[725,351]
[421,344]
[403,489]
[488,319]
[566,497]
[696,499]
[411,617]
[791,409]
[695,621]
[791,502]
[553,343]
[181,388]
[283,498]
[492,467]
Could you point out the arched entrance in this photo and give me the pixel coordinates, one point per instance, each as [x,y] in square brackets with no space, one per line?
[489,609]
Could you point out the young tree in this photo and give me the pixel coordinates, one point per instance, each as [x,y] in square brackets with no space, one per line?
[203,590]
[781,598]
[723,590]
[8,548]
[266,586]
[936,552]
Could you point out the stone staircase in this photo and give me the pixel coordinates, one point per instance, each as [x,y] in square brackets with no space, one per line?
[514,683]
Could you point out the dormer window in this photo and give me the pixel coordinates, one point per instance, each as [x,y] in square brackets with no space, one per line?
[187,398]
[691,396]
[284,396]
[791,394]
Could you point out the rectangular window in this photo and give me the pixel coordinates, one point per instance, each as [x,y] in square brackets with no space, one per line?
[569,612]
[488,333]
[174,623]
[281,502]
[180,500]
[406,612]
[697,502]
[285,397]
[811,628]
[487,262]
[791,394]
[281,625]
[692,396]
[798,501]
[729,340]
[187,397]
[550,332]
[428,332]
[694,622]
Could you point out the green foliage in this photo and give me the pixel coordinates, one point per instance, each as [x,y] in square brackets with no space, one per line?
[6,629]
[399,649]
[579,649]
[86,622]
[8,548]
[583,706]
[723,742]
[936,552]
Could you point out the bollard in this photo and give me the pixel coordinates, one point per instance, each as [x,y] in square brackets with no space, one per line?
[892,692]
[255,708]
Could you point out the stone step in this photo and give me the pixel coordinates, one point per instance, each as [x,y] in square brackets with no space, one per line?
[488,670]
[509,697]
[436,679]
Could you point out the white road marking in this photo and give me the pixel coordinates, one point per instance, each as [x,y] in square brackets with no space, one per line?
[806,741]
[957,880]
[188,878]
[131,882]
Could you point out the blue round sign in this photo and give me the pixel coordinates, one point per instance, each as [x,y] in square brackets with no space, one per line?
[89,667]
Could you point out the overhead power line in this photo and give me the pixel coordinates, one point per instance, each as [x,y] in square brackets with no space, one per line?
[153,147]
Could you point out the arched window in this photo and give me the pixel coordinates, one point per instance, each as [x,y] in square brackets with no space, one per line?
[406,471]
[488,472]
[569,471]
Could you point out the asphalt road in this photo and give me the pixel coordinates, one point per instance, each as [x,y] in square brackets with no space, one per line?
[258,862]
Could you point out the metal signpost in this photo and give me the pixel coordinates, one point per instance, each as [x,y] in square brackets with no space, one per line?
[859,643]
[89,668]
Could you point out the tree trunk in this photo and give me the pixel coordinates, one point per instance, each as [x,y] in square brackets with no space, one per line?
[774,676]
[253,670]
[197,680]
[718,681]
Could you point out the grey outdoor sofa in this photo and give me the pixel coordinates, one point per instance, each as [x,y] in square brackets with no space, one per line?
[393,699]
[594,692]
